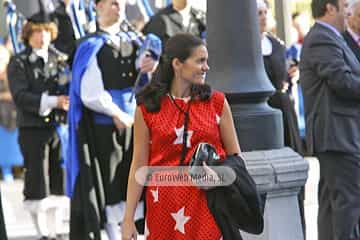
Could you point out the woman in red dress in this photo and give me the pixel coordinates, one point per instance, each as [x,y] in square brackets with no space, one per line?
[178,109]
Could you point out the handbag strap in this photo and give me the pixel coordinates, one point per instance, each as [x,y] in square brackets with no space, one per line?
[186,125]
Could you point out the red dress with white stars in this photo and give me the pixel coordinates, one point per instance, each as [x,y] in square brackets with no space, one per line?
[181,212]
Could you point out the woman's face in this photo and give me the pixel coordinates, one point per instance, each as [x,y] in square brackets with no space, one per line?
[263,17]
[193,69]
[40,39]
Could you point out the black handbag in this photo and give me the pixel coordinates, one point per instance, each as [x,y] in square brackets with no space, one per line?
[205,152]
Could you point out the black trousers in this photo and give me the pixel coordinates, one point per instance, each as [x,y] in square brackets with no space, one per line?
[113,149]
[105,159]
[339,196]
[44,174]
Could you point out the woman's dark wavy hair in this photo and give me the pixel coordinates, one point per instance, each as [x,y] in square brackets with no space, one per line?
[181,47]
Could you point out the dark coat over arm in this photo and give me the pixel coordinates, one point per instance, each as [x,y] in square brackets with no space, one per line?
[237,206]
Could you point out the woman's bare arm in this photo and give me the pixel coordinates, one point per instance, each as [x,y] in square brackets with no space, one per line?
[228,132]
[140,159]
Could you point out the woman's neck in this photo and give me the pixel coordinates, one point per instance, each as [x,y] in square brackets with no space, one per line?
[179,90]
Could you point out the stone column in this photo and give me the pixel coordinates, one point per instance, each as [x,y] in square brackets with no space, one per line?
[237,68]
[280,173]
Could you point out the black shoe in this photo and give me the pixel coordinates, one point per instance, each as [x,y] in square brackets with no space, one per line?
[62,237]
[44,238]
[47,238]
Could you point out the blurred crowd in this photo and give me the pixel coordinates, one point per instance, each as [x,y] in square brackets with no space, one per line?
[68,35]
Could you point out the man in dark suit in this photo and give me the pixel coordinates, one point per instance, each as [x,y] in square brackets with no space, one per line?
[352,33]
[178,17]
[330,79]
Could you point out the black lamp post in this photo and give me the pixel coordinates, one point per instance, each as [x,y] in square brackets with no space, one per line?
[237,69]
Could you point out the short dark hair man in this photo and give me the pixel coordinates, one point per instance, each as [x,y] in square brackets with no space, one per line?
[330,79]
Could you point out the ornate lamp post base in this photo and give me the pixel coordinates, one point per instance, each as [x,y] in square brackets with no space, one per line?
[280,173]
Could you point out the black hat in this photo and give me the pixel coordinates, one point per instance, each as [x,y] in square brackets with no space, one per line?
[40,17]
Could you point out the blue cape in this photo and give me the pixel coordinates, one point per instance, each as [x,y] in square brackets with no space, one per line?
[84,54]
[87,50]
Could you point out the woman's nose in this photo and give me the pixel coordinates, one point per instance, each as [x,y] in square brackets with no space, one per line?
[206,67]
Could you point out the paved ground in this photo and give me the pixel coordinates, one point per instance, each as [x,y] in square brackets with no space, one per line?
[20,227]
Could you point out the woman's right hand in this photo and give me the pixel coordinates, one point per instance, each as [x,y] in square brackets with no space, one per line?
[128,230]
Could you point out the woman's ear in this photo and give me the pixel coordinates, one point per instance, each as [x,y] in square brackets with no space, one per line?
[176,63]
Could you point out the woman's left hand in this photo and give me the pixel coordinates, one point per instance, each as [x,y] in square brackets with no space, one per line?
[211,174]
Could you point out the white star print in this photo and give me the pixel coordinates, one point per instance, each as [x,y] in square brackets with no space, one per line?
[155,194]
[179,136]
[181,220]
[217,119]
